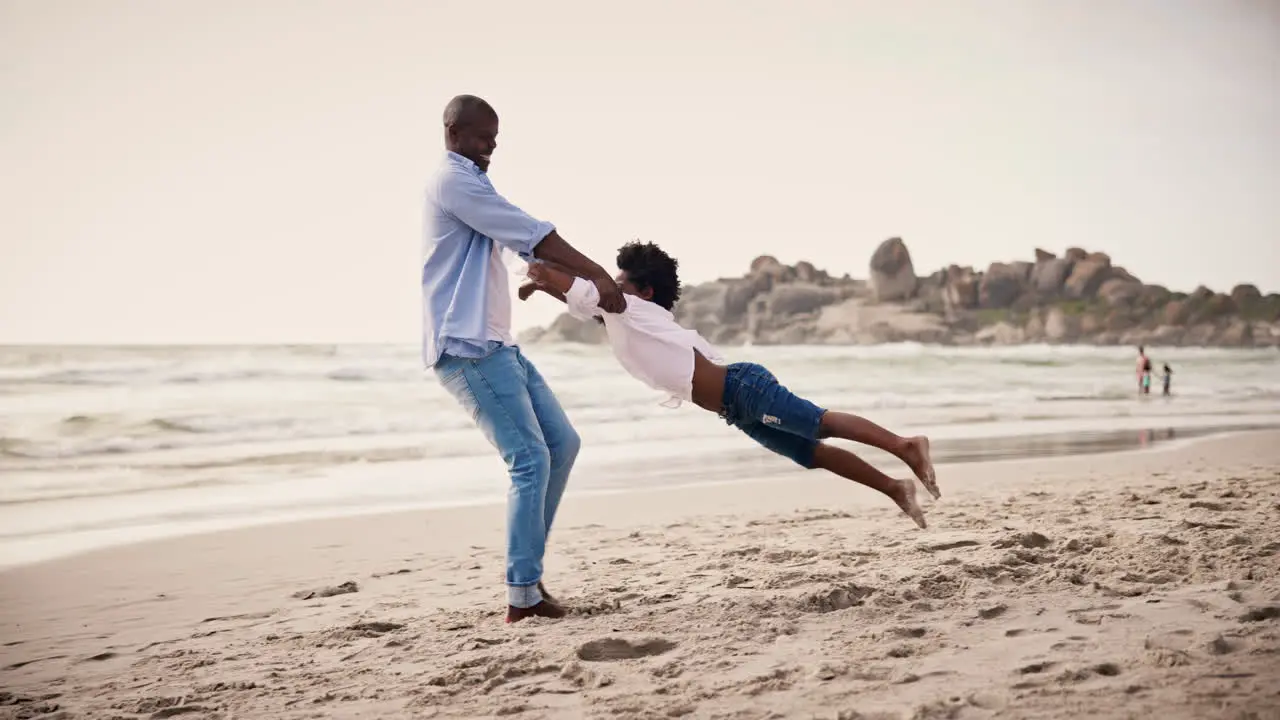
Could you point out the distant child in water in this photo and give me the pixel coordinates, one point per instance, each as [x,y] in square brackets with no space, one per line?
[1168,378]
[659,352]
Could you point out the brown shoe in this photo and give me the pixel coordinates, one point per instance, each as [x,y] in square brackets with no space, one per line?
[544,609]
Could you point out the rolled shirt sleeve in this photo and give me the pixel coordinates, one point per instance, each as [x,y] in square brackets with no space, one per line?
[583,300]
[476,203]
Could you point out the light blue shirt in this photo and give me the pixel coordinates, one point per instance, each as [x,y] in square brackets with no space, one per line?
[463,218]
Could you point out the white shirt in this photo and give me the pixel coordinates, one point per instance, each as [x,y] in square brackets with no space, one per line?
[497,299]
[647,341]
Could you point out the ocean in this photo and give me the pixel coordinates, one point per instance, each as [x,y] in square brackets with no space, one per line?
[109,445]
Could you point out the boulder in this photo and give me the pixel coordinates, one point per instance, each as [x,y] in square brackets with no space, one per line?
[893,278]
[1058,326]
[740,293]
[806,272]
[961,290]
[1238,333]
[1033,328]
[1120,291]
[1090,324]
[1086,277]
[1001,285]
[1165,335]
[1270,309]
[1219,305]
[797,299]
[1117,321]
[567,329]
[1200,335]
[767,264]
[1177,312]
[1047,277]
[1044,255]
[704,307]
[1246,295]
[1002,333]
[1153,296]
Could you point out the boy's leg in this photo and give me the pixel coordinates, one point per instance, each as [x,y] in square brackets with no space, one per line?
[847,465]
[494,391]
[813,454]
[913,451]
[757,395]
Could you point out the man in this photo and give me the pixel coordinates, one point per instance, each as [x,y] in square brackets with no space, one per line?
[467,337]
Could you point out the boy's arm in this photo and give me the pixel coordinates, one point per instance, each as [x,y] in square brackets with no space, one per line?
[581,296]
[553,248]
[531,287]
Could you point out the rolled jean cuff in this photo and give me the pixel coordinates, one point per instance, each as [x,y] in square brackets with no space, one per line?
[523,596]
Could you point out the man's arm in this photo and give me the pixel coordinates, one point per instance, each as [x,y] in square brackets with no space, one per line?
[478,205]
[581,296]
[555,249]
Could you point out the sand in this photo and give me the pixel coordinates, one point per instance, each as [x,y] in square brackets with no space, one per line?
[1131,585]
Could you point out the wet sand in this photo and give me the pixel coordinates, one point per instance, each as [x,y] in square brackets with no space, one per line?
[1137,584]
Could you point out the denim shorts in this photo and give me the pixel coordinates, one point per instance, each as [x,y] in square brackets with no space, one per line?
[758,405]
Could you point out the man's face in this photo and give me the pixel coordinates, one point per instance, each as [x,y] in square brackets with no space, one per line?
[475,140]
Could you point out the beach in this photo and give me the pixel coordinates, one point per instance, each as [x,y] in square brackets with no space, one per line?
[104,446]
[1125,584]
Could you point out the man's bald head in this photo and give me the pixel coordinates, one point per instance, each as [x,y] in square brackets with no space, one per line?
[471,129]
[466,109]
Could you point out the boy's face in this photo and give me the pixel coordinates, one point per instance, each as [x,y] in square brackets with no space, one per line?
[630,288]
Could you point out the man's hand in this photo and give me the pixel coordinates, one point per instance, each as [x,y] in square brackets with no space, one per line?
[526,290]
[611,300]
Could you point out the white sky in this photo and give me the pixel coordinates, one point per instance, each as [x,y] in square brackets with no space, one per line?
[237,170]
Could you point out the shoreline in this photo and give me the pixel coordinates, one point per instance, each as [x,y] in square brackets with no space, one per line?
[1116,585]
[1196,434]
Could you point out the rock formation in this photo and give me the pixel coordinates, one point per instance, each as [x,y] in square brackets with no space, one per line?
[1080,297]
[892,275]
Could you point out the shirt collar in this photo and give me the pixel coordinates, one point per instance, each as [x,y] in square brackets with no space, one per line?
[457,159]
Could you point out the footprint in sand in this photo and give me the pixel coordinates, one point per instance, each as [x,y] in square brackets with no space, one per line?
[1261,614]
[837,598]
[614,649]
[349,586]
[374,629]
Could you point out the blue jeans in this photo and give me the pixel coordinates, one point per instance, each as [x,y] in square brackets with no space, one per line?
[511,403]
[758,405]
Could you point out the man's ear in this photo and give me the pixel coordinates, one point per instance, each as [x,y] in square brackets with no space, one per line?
[646,293]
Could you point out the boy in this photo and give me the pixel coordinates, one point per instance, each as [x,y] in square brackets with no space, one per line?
[666,356]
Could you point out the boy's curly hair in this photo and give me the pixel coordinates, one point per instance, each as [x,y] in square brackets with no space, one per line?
[648,266]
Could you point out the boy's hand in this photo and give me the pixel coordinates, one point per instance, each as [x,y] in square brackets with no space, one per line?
[526,290]
[537,272]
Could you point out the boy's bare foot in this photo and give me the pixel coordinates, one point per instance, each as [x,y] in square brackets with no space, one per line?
[543,609]
[905,497]
[917,458]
